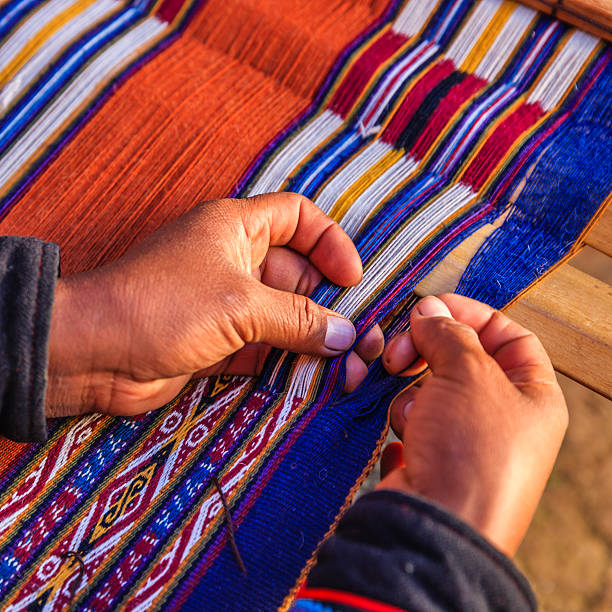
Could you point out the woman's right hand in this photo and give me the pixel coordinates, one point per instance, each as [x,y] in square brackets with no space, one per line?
[480,435]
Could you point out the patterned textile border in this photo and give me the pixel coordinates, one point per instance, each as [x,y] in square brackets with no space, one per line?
[425,126]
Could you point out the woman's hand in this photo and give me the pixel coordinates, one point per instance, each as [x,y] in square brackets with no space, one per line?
[481,433]
[207,294]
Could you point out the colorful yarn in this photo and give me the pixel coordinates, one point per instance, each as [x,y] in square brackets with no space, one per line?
[59,60]
[424,126]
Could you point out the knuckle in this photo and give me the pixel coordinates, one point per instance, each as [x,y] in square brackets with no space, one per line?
[461,346]
[307,316]
[499,320]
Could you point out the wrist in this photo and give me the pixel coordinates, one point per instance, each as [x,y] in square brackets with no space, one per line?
[479,502]
[80,354]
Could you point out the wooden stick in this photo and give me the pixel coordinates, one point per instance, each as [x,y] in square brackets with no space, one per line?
[600,237]
[594,16]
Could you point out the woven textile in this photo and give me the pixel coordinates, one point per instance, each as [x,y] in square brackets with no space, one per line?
[428,116]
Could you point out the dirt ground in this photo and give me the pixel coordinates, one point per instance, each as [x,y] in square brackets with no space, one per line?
[567,553]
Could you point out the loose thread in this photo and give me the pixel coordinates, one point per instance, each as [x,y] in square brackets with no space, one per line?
[230,526]
[70,554]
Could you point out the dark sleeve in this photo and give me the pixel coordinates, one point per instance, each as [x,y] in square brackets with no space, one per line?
[28,272]
[401,552]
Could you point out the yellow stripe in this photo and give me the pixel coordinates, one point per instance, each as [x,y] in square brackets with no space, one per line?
[346,200]
[488,37]
[41,37]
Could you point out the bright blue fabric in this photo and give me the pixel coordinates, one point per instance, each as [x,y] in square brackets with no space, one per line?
[569,182]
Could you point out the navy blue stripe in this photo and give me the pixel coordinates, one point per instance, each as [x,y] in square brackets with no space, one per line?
[332,155]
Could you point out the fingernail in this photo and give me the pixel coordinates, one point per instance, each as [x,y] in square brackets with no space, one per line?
[340,334]
[432,307]
[407,408]
[400,351]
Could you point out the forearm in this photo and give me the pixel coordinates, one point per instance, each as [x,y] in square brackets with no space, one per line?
[404,552]
[28,272]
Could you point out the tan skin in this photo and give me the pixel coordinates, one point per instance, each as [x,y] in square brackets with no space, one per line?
[482,432]
[212,292]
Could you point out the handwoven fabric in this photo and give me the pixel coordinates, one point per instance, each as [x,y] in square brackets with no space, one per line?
[429,116]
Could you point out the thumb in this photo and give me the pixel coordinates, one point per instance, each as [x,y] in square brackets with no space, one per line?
[294,322]
[450,348]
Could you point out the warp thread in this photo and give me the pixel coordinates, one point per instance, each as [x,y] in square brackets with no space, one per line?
[71,554]
[230,526]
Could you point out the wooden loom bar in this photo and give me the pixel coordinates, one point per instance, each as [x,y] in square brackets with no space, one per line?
[569,311]
[600,237]
[594,16]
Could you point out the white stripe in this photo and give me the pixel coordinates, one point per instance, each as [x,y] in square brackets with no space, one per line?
[30,28]
[443,27]
[535,52]
[470,32]
[403,245]
[504,44]
[380,189]
[565,67]
[350,173]
[298,148]
[329,159]
[414,16]
[377,272]
[70,31]
[98,71]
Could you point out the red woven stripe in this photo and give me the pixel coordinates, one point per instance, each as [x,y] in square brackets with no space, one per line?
[349,599]
[499,142]
[394,81]
[413,100]
[361,72]
[169,9]
[445,111]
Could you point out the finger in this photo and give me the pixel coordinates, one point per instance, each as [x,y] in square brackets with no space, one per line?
[450,348]
[371,345]
[291,321]
[127,399]
[278,219]
[401,358]
[400,407]
[356,371]
[287,270]
[397,480]
[248,361]
[517,350]
[392,458]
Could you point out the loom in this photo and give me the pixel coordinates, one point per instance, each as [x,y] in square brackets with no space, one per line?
[412,123]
